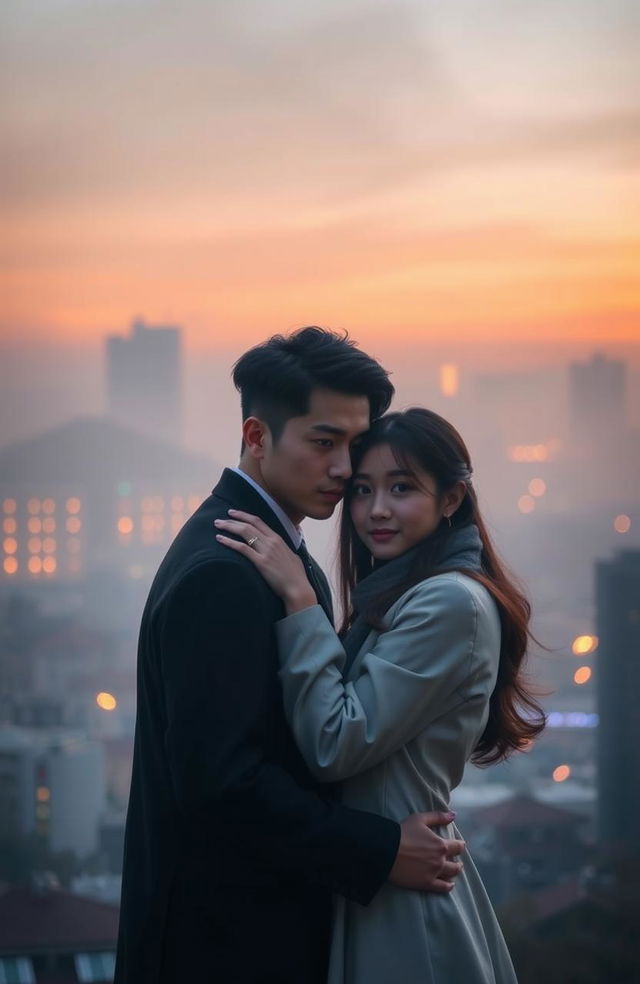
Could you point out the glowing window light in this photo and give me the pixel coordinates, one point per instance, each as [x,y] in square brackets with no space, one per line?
[34,506]
[48,507]
[147,503]
[34,544]
[35,565]
[158,503]
[42,811]
[10,545]
[49,545]
[73,524]
[177,503]
[148,523]
[560,773]
[9,526]
[34,525]
[49,565]
[572,719]
[10,565]
[9,506]
[582,645]
[449,380]
[582,675]
[622,523]
[528,452]
[43,794]
[106,701]
[73,506]
[125,525]
[159,523]
[537,487]
[48,525]
[526,504]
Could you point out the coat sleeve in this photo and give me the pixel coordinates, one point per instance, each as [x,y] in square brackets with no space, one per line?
[221,699]
[411,676]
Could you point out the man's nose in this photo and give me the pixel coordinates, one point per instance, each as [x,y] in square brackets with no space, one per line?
[341,465]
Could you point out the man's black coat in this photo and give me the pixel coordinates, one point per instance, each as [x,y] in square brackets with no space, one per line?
[232,850]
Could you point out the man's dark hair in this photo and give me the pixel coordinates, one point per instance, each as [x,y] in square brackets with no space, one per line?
[275,379]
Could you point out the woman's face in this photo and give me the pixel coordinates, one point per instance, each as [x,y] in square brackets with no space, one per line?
[392,508]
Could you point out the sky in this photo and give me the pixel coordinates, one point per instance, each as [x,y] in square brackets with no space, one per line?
[459,177]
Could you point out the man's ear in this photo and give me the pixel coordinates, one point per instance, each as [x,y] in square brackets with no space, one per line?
[255,434]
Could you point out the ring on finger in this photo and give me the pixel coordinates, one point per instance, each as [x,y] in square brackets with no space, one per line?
[251,541]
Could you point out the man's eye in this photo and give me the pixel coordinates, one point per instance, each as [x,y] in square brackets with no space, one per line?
[323,442]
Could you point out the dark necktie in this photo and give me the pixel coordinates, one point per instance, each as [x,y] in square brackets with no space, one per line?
[324,599]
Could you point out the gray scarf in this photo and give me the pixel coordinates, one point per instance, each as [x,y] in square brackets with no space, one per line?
[461,550]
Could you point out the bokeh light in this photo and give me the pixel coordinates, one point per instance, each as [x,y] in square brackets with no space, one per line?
[622,523]
[560,773]
[537,487]
[106,701]
[582,675]
[526,504]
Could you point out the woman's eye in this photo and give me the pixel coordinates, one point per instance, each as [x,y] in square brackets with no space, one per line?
[361,490]
[401,487]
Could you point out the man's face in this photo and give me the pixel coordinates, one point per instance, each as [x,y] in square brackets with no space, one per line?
[306,470]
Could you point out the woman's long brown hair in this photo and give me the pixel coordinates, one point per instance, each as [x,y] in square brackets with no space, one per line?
[420,438]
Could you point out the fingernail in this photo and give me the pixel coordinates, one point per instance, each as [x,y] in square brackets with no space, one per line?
[451,814]
[232,510]
[217,522]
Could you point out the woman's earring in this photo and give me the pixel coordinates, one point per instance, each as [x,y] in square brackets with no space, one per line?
[448,519]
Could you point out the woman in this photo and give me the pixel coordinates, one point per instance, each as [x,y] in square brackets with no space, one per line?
[428,675]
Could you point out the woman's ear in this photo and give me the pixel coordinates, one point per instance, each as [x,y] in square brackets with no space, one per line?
[453,499]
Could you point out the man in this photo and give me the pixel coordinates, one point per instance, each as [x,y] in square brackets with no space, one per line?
[232,849]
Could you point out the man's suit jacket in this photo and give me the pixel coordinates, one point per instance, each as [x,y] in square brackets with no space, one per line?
[232,849]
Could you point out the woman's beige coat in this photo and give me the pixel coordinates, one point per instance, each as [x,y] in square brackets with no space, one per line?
[396,733]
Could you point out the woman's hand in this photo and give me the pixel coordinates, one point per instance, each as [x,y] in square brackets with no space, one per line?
[281,568]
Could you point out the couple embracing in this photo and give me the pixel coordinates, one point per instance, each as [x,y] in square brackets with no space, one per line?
[289,814]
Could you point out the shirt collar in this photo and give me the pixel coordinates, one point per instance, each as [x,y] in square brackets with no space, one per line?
[294,532]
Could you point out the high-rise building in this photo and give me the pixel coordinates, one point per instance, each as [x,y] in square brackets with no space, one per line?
[52,785]
[144,380]
[597,401]
[618,687]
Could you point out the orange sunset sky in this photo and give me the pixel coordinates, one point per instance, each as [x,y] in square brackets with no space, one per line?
[421,172]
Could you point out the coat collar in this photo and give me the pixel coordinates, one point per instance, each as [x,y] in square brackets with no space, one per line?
[239,494]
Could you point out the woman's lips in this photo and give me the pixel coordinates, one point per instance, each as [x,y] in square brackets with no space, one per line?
[382,536]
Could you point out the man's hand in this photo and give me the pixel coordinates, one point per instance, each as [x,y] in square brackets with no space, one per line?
[424,860]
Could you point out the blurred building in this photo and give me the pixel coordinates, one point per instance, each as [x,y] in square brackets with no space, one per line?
[144,380]
[597,401]
[51,785]
[522,844]
[48,935]
[94,496]
[618,690]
